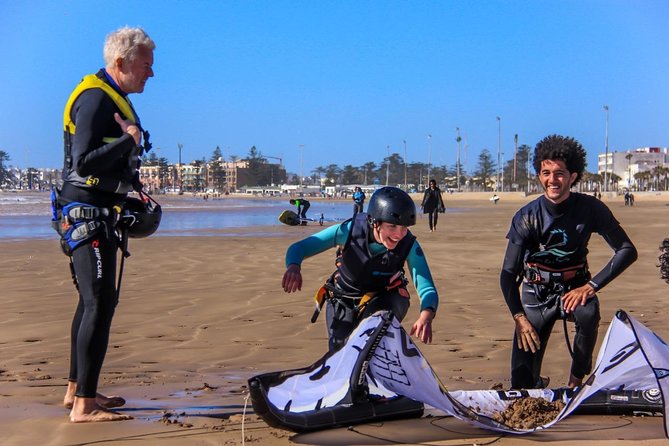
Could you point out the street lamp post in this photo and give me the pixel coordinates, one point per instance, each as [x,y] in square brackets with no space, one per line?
[528,172]
[429,156]
[181,182]
[499,149]
[606,150]
[457,170]
[301,164]
[406,187]
[515,156]
[387,164]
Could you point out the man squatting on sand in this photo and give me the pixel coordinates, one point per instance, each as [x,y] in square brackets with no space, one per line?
[372,250]
[102,147]
[547,251]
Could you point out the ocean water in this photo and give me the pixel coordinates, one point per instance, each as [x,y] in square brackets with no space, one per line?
[28,215]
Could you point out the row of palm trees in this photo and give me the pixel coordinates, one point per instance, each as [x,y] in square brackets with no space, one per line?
[654,179]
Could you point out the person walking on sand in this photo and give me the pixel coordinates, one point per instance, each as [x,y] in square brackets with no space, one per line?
[103,138]
[369,275]
[432,204]
[547,251]
[358,200]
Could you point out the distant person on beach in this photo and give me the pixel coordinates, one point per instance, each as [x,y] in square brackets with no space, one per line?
[629,198]
[596,194]
[664,260]
[432,204]
[303,206]
[103,138]
[547,251]
[358,200]
[369,275]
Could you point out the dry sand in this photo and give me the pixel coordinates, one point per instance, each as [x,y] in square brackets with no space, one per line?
[200,315]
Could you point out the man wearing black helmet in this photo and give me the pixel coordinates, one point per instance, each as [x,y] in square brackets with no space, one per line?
[547,252]
[103,143]
[373,248]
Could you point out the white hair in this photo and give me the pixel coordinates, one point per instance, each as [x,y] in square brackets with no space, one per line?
[124,43]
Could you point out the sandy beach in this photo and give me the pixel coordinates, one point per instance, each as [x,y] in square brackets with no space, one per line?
[198,316]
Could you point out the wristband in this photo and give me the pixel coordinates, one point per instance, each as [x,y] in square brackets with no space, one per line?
[593,285]
[518,316]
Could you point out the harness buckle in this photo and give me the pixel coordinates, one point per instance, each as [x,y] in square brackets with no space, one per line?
[82,211]
[77,222]
[536,273]
[320,297]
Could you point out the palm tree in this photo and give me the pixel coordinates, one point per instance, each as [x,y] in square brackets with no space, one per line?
[320,171]
[350,175]
[614,180]
[591,181]
[368,169]
[660,172]
[332,173]
[664,172]
[4,171]
[642,179]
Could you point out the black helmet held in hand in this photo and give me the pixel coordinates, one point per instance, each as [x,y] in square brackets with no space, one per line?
[392,205]
[141,218]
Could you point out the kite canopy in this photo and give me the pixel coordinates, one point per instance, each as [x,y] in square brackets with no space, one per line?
[380,374]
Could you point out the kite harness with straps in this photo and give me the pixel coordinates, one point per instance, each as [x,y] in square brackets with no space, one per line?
[330,291]
[78,222]
[556,282]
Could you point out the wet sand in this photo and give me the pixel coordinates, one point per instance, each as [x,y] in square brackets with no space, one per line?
[198,316]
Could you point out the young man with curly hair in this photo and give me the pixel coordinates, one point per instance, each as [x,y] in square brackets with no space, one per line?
[547,252]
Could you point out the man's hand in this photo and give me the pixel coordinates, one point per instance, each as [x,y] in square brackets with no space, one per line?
[526,336]
[577,296]
[422,328]
[292,279]
[129,127]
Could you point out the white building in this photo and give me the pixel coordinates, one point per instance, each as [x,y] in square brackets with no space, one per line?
[626,164]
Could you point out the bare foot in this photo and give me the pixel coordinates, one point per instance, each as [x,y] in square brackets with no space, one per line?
[98,415]
[106,402]
[86,410]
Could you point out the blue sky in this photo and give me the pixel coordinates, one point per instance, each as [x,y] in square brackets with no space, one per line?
[346,79]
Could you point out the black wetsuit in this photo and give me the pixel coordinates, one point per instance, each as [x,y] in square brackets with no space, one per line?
[94,261]
[302,207]
[432,204]
[556,237]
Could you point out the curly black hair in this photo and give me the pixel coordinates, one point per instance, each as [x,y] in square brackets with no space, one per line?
[664,260]
[564,148]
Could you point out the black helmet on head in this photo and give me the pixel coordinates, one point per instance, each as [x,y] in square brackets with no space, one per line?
[141,218]
[392,205]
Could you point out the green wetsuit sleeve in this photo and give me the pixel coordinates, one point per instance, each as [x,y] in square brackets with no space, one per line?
[422,278]
[317,243]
